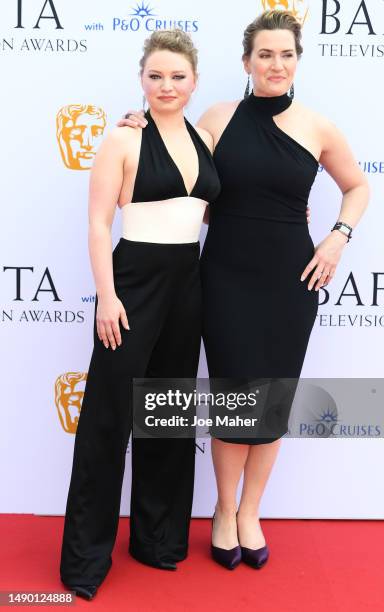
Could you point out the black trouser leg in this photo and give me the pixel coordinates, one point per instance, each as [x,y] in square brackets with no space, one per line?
[163,468]
[147,281]
[98,467]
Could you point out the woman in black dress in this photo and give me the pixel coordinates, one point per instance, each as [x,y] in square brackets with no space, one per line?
[260,270]
[258,312]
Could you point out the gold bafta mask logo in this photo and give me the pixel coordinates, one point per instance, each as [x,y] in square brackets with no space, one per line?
[79,128]
[69,392]
[298,8]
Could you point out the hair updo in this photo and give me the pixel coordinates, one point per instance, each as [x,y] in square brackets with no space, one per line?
[272,20]
[175,40]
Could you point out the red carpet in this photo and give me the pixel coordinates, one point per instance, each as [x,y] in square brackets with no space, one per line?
[327,566]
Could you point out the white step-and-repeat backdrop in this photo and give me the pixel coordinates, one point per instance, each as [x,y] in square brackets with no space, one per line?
[69,70]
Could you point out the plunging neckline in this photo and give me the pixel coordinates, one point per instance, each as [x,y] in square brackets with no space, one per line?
[149,116]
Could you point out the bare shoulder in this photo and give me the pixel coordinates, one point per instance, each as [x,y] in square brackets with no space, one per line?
[118,145]
[122,136]
[223,108]
[326,132]
[206,137]
[324,125]
[217,117]
[219,111]
[306,113]
[327,128]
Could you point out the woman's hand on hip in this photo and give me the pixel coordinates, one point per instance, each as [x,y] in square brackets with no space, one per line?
[324,262]
[110,311]
[133,119]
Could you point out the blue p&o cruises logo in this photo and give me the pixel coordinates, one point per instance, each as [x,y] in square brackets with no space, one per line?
[143,17]
[330,425]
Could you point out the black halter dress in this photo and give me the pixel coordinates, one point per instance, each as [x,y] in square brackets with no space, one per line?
[257,314]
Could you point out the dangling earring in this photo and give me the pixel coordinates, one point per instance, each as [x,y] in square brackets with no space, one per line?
[291,92]
[246,93]
[144,102]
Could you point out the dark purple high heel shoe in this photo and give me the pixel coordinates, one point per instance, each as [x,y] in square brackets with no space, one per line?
[256,558]
[228,558]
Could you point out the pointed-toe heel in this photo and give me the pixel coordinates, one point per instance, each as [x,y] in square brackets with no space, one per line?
[256,558]
[227,558]
[86,592]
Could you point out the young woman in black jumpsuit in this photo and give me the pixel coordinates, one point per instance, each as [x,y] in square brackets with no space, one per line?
[157,286]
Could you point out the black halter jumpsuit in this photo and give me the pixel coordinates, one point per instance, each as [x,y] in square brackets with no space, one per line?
[257,314]
[159,286]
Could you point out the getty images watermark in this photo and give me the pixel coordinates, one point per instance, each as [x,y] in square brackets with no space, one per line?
[258,408]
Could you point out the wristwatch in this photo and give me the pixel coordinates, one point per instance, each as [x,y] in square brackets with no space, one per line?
[344,228]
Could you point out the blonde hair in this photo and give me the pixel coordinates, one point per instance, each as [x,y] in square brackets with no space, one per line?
[272,20]
[175,40]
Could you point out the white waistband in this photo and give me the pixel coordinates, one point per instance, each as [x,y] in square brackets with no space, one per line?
[176,220]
